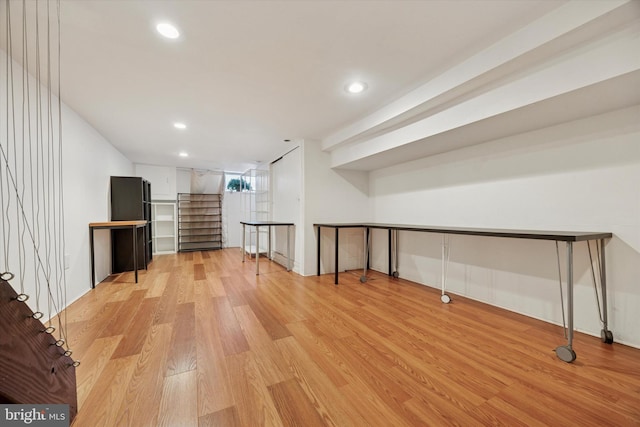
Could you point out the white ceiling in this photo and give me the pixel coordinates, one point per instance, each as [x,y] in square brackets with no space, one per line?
[246,75]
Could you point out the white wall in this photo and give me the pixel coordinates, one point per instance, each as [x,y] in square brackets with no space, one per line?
[183,180]
[286,186]
[331,196]
[580,176]
[231,217]
[88,162]
[162,178]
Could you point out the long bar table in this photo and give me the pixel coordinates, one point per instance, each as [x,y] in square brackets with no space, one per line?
[565,353]
[269,225]
[133,225]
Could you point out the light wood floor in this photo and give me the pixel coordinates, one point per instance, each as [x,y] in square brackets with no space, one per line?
[202,341]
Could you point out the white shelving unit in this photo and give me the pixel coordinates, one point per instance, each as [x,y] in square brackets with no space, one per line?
[165,238]
[256,207]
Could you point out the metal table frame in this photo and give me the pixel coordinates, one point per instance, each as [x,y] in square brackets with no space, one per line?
[565,353]
[112,225]
[269,225]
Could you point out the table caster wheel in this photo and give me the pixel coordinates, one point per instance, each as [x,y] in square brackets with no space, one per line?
[565,353]
[363,279]
[446,299]
[395,274]
[606,336]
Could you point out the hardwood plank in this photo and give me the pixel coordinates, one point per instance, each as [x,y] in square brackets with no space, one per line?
[179,388]
[182,351]
[498,412]
[327,399]
[166,311]
[628,406]
[371,408]
[82,337]
[94,361]
[125,313]
[198,272]
[156,288]
[231,336]
[322,354]
[214,388]
[92,302]
[204,290]
[227,417]
[372,369]
[169,264]
[254,403]
[294,407]
[136,335]
[141,400]
[100,406]
[274,328]
[186,286]
[546,410]
[233,289]
[439,412]
[279,295]
[271,365]
[584,404]
[215,286]
[251,327]
[267,358]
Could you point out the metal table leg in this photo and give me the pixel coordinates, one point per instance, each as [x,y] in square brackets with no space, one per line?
[144,246]
[565,352]
[93,266]
[135,251]
[257,250]
[336,273]
[396,244]
[288,249]
[444,297]
[389,247]
[318,253]
[367,237]
[605,335]
[244,241]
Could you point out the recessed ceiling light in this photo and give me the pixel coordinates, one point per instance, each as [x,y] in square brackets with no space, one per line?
[168,30]
[356,87]
[179,125]
[183,154]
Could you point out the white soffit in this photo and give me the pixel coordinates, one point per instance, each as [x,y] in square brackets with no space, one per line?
[566,54]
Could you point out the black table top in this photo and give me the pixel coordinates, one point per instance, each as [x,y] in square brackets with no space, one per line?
[260,223]
[564,236]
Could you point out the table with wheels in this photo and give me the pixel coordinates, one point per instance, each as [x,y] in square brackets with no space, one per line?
[564,352]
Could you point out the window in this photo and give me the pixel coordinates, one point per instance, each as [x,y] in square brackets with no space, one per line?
[235,182]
